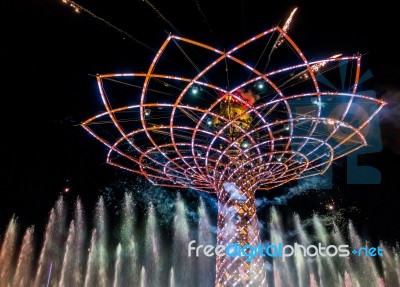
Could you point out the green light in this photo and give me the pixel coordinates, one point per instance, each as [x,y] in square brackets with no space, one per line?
[195,90]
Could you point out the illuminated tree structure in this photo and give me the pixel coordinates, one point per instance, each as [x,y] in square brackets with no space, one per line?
[233,123]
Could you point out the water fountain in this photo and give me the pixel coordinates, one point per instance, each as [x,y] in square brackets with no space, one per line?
[75,252]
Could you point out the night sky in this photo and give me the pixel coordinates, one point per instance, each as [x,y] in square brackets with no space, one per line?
[50,54]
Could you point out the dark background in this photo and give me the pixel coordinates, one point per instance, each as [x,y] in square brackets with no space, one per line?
[49,54]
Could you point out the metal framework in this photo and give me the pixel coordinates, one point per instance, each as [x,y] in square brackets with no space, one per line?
[201,118]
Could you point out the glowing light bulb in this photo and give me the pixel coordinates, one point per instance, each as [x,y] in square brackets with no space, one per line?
[195,90]
[245,144]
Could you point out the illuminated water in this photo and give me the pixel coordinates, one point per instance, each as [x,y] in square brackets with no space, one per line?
[143,253]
